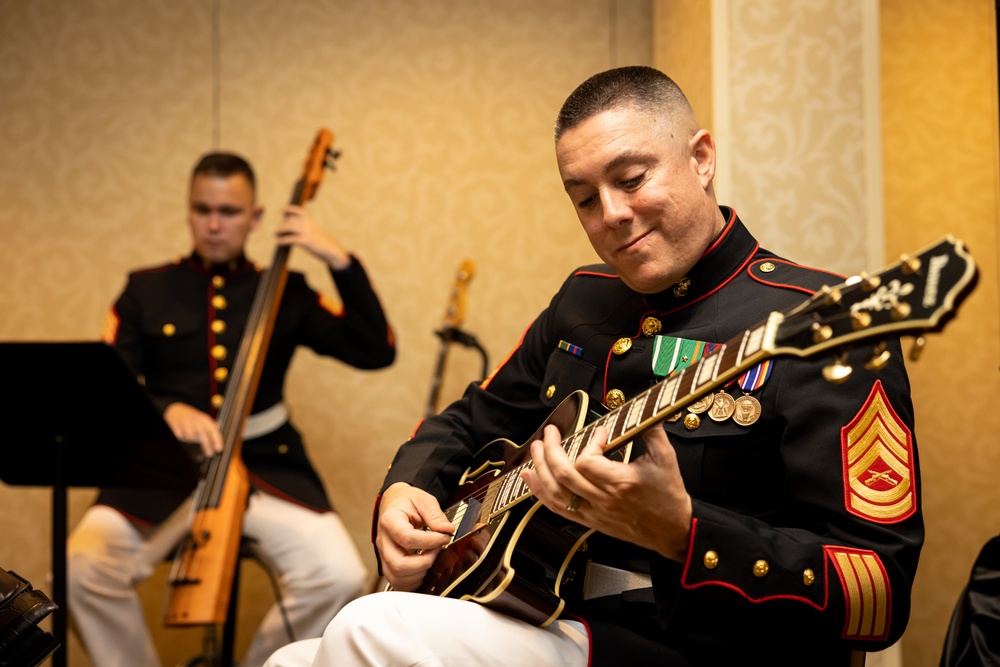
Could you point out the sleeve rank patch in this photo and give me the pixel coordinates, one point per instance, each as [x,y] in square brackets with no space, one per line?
[866,592]
[877,451]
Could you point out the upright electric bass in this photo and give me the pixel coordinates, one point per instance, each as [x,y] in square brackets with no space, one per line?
[201,578]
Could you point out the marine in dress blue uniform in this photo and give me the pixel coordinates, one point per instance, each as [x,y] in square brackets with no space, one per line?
[782,566]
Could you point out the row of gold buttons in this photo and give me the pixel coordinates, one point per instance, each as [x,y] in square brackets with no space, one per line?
[760,568]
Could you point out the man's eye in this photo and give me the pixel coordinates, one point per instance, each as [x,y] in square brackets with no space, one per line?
[588,202]
[633,182]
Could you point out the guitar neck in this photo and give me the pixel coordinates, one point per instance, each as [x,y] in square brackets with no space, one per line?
[716,368]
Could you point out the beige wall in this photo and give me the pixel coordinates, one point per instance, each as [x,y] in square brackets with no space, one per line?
[443,111]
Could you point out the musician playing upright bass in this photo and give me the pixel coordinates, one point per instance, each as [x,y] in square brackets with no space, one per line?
[179,326]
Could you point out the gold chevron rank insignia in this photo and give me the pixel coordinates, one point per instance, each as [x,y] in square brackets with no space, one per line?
[866,592]
[877,450]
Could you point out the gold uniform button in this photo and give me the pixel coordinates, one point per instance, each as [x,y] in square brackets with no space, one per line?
[761,568]
[615,398]
[218,352]
[217,401]
[622,345]
[808,577]
[651,326]
[711,560]
[169,329]
[767,267]
[221,374]
[282,448]
[218,326]
[219,302]
[218,281]
[551,391]
[691,421]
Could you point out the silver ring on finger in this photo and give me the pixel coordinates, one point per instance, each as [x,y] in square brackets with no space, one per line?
[574,503]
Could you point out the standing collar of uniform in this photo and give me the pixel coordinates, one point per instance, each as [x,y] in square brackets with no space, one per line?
[727,255]
[199,265]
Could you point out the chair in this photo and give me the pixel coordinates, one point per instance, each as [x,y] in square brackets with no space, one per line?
[973,637]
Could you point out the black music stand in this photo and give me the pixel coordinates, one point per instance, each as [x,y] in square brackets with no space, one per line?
[74,415]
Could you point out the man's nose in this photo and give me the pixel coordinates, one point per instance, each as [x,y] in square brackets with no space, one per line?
[616,208]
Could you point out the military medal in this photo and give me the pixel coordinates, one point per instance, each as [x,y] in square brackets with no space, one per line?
[723,407]
[746,410]
[701,405]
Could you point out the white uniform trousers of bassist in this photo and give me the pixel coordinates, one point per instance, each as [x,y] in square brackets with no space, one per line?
[316,563]
[411,629]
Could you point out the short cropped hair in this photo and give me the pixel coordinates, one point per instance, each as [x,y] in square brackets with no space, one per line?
[643,87]
[224,164]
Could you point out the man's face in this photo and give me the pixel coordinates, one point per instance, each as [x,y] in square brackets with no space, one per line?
[221,213]
[643,196]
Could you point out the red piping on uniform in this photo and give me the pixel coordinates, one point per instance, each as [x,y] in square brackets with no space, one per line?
[792,287]
[740,591]
[725,232]
[597,274]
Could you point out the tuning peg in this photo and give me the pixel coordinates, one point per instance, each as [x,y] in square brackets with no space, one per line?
[821,332]
[838,371]
[331,159]
[910,265]
[900,311]
[879,359]
[919,343]
[861,320]
[831,296]
[869,283]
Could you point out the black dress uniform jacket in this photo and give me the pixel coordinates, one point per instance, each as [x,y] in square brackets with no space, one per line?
[798,552]
[178,327]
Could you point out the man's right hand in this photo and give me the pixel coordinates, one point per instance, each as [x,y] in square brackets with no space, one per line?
[411,531]
[192,425]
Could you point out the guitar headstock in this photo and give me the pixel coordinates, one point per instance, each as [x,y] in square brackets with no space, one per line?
[916,295]
[455,313]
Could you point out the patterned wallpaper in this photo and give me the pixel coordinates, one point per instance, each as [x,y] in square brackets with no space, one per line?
[789,108]
[443,111]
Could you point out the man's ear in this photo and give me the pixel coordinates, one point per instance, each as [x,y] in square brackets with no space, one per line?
[703,156]
[256,216]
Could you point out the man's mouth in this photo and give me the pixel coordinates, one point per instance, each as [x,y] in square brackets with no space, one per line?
[629,245]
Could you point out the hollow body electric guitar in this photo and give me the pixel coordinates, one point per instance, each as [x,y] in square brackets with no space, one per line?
[510,553]
[201,577]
